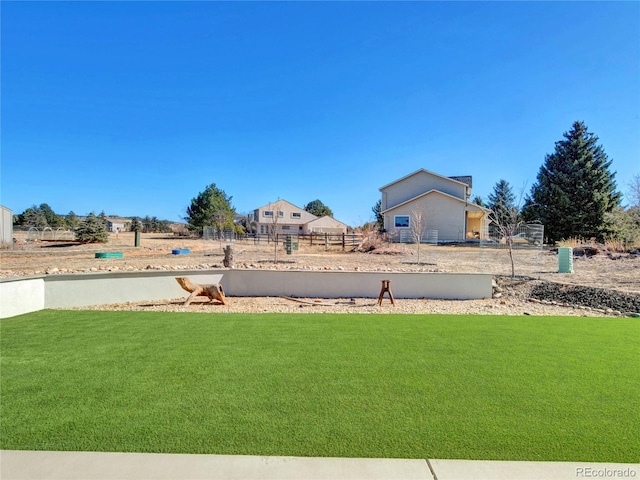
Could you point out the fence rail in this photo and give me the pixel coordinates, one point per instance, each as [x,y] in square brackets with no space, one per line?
[528,235]
[312,239]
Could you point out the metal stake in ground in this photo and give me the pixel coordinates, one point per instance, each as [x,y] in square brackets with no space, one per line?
[386,288]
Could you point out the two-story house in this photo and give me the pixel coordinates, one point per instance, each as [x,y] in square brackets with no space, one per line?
[283,217]
[443,202]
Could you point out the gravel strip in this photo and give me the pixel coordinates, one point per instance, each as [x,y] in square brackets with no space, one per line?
[493,306]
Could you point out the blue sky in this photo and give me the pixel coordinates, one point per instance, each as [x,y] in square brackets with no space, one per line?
[135,107]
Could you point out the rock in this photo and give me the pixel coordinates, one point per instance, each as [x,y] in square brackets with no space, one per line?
[587,297]
[51,270]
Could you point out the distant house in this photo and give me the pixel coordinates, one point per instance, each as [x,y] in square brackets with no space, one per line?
[283,217]
[443,202]
[326,225]
[116,224]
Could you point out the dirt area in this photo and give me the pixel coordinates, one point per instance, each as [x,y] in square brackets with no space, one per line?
[619,273]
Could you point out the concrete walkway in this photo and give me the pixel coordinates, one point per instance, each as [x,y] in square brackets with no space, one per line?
[36,465]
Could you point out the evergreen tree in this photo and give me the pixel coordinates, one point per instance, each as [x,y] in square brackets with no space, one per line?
[72,220]
[164,226]
[136,226]
[146,224]
[212,207]
[574,188]
[478,200]
[92,230]
[501,202]
[377,211]
[53,220]
[34,217]
[318,209]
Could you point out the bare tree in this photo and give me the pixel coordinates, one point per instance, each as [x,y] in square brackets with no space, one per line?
[275,210]
[507,225]
[417,225]
[220,221]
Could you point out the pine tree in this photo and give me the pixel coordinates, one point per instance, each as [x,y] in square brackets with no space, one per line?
[574,188]
[92,230]
[155,224]
[53,220]
[212,207]
[72,220]
[478,200]
[501,202]
[318,209]
[136,226]
[146,224]
[103,218]
[377,211]
[34,217]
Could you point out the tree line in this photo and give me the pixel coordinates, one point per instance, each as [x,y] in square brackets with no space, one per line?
[92,228]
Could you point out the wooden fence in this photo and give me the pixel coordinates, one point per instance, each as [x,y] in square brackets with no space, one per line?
[326,240]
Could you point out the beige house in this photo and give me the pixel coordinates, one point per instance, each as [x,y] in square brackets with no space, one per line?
[325,225]
[117,224]
[283,217]
[442,203]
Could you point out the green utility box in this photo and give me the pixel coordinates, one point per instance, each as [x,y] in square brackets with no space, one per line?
[565,260]
[290,245]
[137,238]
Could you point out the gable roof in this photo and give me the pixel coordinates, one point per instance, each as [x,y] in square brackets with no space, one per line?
[280,203]
[283,205]
[433,191]
[422,170]
[327,221]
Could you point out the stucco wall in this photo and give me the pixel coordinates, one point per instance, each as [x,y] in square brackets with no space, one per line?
[440,213]
[80,290]
[18,296]
[63,291]
[6,227]
[452,286]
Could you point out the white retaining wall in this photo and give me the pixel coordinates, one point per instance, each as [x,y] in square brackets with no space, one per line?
[25,295]
[18,296]
[62,291]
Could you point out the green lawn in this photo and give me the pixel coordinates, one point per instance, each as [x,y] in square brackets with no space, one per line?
[412,386]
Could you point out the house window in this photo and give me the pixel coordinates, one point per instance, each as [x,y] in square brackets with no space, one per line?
[296,215]
[286,227]
[267,213]
[280,213]
[401,221]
